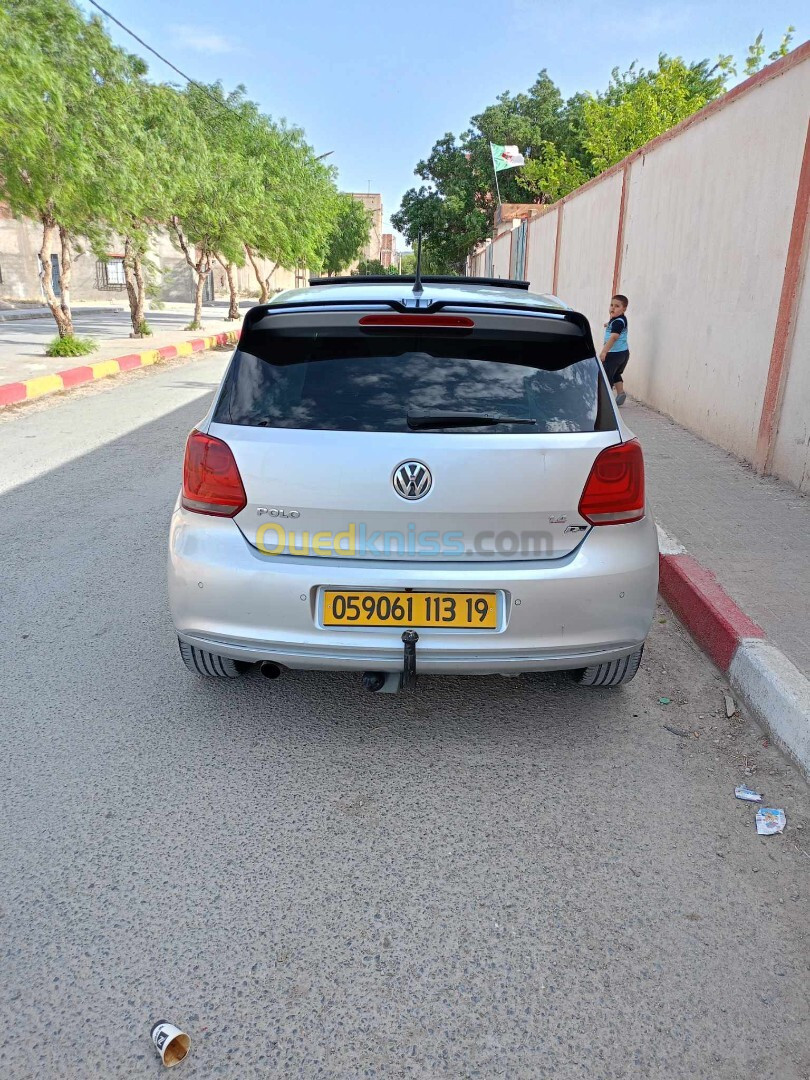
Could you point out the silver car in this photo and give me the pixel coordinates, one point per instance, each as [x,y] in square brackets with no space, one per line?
[402,476]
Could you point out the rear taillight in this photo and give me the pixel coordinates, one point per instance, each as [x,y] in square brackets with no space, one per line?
[211,480]
[614,492]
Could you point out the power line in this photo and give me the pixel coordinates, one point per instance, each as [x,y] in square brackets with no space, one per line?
[182,74]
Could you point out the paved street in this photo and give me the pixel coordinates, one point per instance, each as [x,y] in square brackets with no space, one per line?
[23,341]
[490,878]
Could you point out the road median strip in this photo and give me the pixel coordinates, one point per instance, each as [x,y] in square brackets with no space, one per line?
[774,690]
[41,385]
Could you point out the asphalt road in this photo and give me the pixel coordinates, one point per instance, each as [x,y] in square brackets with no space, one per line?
[28,337]
[491,878]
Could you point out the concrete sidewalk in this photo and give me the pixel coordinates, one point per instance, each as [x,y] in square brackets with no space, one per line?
[752,532]
[734,558]
[23,342]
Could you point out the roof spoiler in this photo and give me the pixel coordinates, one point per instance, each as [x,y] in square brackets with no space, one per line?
[426,279]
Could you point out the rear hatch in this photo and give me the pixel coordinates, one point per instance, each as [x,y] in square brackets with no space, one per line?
[458,436]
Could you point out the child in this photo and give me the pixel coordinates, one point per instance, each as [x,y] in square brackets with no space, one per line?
[615,352]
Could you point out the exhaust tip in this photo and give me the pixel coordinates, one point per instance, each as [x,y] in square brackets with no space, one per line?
[270,670]
[373,681]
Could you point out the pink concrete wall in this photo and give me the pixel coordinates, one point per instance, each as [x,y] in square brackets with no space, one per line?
[707,226]
[699,228]
[542,234]
[588,251]
[792,450]
[502,248]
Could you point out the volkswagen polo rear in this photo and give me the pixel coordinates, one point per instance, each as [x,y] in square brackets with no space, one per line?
[393,480]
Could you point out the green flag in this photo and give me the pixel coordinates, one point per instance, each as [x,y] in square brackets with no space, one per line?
[505,157]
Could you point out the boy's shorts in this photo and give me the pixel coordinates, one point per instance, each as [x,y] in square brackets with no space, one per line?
[615,363]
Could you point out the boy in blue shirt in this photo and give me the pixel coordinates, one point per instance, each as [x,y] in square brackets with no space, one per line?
[616,352]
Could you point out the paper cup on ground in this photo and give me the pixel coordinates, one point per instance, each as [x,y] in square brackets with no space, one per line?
[170,1042]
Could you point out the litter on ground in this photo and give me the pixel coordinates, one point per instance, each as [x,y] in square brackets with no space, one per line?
[770,821]
[747,794]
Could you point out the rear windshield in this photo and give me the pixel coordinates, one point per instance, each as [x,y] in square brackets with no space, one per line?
[374,382]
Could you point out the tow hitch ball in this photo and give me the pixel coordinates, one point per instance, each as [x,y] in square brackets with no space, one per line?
[409,640]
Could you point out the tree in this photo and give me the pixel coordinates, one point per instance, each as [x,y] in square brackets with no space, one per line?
[639,105]
[167,146]
[294,202]
[457,210]
[63,118]
[213,219]
[348,235]
[551,173]
[374,268]
[565,143]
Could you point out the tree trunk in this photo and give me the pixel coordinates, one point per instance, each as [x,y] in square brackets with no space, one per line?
[263,285]
[266,283]
[233,307]
[65,268]
[48,229]
[198,299]
[201,267]
[133,275]
[137,266]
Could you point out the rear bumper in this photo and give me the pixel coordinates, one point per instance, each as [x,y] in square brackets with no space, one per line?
[594,605]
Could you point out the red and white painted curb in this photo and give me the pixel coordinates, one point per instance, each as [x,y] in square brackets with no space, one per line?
[27,389]
[771,687]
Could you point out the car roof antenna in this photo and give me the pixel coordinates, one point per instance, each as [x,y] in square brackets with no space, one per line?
[417,285]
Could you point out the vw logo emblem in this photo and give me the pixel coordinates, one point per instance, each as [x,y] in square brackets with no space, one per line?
[412,480]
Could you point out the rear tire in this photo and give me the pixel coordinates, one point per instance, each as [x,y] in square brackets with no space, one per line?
[614,673]
[201,662]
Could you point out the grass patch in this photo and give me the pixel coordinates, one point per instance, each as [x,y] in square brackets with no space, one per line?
[144,329]
[194,326]
[71,346]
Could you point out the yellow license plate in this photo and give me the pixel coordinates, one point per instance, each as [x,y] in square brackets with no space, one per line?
[476,611]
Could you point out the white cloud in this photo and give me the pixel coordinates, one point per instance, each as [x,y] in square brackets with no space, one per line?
[203,40]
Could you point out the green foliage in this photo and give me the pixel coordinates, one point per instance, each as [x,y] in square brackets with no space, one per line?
[550,173]
[63,113]
[374,268]
[408,263]
[293,197]
[638,105]
[144,329]
[347,236]
[89,147]
[71,346]
[165,149]
[756,52]
[565,142]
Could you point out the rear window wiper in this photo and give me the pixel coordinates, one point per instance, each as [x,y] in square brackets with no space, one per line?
[424,421]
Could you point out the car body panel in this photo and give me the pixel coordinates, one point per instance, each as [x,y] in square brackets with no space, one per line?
[595,604]
[589,597]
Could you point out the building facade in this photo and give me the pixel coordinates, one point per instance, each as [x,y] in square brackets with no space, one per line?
[92,278]
[388,251]
[373,204]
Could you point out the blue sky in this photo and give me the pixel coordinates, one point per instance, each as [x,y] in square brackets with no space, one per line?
[379,83]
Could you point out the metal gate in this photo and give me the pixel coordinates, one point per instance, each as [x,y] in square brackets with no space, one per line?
[518,267]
